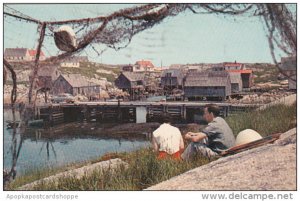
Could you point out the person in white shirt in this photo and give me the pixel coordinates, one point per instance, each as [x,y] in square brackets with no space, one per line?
[167,140]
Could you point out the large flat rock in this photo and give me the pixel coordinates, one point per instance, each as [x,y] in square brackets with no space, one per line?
[270,167]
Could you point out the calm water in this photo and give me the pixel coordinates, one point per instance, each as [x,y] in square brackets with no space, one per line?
[56,147]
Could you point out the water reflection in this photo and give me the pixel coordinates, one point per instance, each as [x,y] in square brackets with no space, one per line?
[28,150]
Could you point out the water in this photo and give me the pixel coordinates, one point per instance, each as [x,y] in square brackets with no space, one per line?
[57,147]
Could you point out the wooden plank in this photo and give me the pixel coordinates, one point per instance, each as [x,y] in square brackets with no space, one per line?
[251,145]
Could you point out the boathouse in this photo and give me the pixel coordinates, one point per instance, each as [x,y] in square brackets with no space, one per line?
[131,82]
[75,84]
[212,85]
[234,67]
[236,82]
[171,79]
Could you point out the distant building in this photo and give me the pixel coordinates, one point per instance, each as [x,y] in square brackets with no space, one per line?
[210,85]
[236,82]
[22,54]
[228,66]
[131,82]
[75,84]
[246,75]
[172,78]
[143,66]
[289,67]
[74,62]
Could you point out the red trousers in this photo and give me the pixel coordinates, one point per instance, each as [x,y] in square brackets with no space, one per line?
[163,155]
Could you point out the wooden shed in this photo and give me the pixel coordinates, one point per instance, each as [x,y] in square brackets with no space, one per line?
[213,85]
[289,67]
[236,82]
[131,82]
[75,84]
[172,78]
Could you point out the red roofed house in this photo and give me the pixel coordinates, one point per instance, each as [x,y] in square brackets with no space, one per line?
[143,66]
[32,54]
[21,54]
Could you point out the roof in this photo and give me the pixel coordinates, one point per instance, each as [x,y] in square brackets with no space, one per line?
[15,52]
[145,63]
[204,79]
[134,76]
[174,73]
[20,52]
[32,53]
[235,77]
[77,80]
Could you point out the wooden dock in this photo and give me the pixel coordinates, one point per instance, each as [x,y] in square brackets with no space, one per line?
[124,112]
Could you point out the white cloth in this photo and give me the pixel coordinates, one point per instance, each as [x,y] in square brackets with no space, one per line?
[168,138]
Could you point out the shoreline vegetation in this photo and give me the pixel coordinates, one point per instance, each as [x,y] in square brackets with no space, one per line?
[144,169]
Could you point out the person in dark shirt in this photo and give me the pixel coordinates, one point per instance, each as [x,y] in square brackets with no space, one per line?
[211,141]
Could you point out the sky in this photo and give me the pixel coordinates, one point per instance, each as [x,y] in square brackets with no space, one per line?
[184,39]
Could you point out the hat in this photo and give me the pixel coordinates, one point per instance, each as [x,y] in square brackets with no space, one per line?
[247,136]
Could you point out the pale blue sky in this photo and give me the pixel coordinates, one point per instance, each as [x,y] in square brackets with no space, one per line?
[186,38]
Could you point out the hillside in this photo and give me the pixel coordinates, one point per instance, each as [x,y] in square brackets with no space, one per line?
[95,70]
[264,72]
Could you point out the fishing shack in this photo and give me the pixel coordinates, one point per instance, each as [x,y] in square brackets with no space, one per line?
[210,85]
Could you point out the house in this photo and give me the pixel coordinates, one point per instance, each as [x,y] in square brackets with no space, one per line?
[74,62]
[228,66]
[131,82]
[210,85]
[143,66]
[172,78]
[236,82]
[75,84]
[22,54]
[246,75]
[289,67]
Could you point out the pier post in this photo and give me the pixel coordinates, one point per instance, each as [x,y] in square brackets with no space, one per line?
[51,115]
[119,114]
[183,112]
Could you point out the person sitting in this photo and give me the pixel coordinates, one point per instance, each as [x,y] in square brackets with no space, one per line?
[167,140]
[212,140]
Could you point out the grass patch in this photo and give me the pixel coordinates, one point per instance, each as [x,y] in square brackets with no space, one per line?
[144,171]
[274,119]
[89,70]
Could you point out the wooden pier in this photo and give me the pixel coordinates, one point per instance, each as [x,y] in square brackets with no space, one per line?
[124,112]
